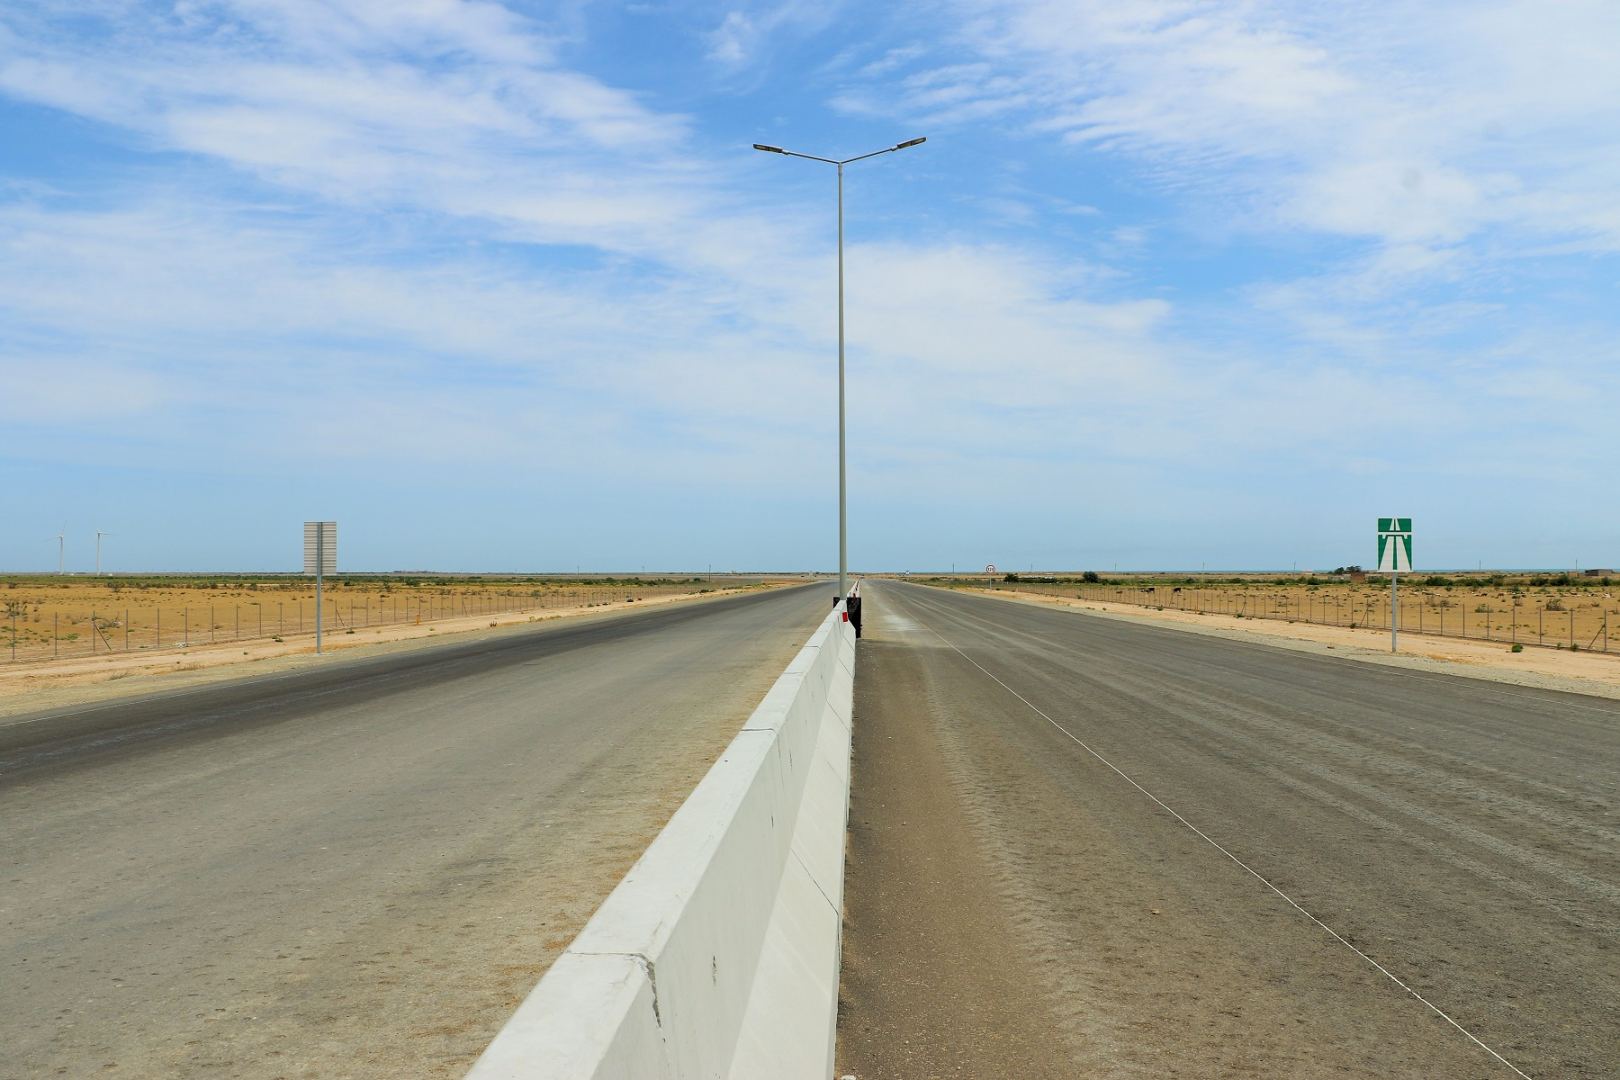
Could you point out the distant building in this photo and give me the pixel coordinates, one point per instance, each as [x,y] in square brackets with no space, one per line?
[1600,573]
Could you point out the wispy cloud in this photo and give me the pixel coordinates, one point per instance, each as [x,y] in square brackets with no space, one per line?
[747,35]
[1427,125]
[444,106]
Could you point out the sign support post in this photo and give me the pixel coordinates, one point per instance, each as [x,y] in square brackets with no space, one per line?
[320,558]
[1395,612]
[1395,556]
[320,552]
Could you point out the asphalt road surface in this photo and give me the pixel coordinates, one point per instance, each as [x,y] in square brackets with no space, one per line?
[1027,895]
[358,870]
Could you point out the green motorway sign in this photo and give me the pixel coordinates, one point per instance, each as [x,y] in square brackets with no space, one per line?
[1395,545]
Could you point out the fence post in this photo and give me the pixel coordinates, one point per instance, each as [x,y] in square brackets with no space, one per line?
[92,631]
[1572,628]
[157,630]
[185,627]
[55,632]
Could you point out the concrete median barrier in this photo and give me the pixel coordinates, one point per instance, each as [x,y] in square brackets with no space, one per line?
[717,955]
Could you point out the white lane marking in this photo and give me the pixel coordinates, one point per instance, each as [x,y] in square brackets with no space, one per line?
[1441,1013]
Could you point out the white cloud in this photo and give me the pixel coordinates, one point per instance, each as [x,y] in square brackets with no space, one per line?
[433,103]
[749,34]
[1422,123]
[733,40]
[966,360]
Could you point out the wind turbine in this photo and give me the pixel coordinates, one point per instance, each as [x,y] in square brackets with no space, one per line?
[61,544]
[99,535]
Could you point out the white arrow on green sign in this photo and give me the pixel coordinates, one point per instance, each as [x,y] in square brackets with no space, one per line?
[1395,545]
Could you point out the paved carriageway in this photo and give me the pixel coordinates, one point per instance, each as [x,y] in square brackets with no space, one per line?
[1017,907]
[358,870]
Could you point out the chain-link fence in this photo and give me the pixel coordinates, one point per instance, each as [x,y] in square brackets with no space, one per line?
[35,627]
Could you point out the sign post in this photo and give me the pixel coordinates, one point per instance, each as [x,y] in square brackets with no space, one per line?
[320,559]
[1394,557]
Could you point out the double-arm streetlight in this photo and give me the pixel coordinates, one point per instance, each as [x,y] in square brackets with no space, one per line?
[843,536]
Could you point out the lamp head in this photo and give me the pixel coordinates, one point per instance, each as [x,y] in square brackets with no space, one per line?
[769,149]
[912,142]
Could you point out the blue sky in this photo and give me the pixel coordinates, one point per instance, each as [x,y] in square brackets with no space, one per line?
[502,286]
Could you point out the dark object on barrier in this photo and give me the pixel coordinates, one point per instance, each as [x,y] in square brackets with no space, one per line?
[852,610]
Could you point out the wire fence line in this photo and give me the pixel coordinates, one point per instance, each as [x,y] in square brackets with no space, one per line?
[1562,622]
[31,631]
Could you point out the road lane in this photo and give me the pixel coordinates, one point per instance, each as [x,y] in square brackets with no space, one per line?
[357,872]
[1015,906]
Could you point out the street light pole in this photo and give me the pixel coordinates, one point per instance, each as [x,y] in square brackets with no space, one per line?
[843,516]
[843,530]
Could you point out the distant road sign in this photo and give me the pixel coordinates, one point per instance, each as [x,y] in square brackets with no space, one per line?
[990,568]
[321,535]
[1395,545]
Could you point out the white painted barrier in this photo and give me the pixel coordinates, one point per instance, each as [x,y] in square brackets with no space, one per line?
[717,955]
